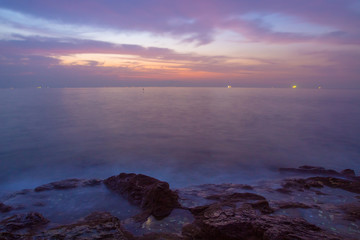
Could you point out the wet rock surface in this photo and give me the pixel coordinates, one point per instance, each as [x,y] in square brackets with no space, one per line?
[301,184]
[160,236]
[209,211]
[30,222]
[298,184]
[67,184]
[152,195]
[285,205]
[225,222]
[5,208]
[98,225]
[235,197]
[352,211]
[247,216]
[348,173]
[254,200]
[347,185]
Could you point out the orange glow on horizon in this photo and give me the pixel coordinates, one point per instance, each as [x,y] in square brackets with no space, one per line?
[187,67]
[155,68]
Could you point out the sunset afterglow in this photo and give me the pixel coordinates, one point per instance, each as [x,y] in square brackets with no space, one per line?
[205,43]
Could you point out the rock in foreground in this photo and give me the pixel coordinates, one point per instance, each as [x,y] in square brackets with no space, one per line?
[346,173]
[300,184]
[221,212]
[152,195]
[98,225]
[225,222]
[5,208]
[67,184]
[21,226]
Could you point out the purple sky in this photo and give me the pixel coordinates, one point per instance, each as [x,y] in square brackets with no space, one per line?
[272,43]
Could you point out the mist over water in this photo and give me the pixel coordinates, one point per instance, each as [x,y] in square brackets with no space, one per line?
[184,136]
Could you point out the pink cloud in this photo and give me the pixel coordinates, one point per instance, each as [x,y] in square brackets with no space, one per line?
[257,31]
[52,46]
[202,17]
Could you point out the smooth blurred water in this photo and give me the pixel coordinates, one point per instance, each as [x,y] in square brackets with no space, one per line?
[185,136]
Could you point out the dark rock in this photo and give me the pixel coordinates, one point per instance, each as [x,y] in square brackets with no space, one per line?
[288,189]
[300,184]
[160,236]
[221,222]
[152,195]
[352,211]
[67,184]
[285,205]
[91,182]
[255,201]
[287,228]
[12,236]
[98,225]
[263,206]
[319,182]
[310,170]
[235,197]
[5,208]
[348,172]
[347,185]
[20,221]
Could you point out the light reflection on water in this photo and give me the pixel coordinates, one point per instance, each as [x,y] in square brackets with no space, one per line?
[184,136]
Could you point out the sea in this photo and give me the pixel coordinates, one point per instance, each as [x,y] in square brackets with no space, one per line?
[185,136]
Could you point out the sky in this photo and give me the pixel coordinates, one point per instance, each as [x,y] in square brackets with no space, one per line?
[245,43]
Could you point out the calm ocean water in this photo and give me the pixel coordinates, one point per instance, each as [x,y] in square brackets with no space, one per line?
[185,136]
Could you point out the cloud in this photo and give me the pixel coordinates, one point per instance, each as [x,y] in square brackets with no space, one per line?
[41,61]
[57,47]
[197,21]
[175,40]
[344,61]
[257,30]
[43,57]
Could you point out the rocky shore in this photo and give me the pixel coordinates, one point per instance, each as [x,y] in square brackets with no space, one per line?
[315,204]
